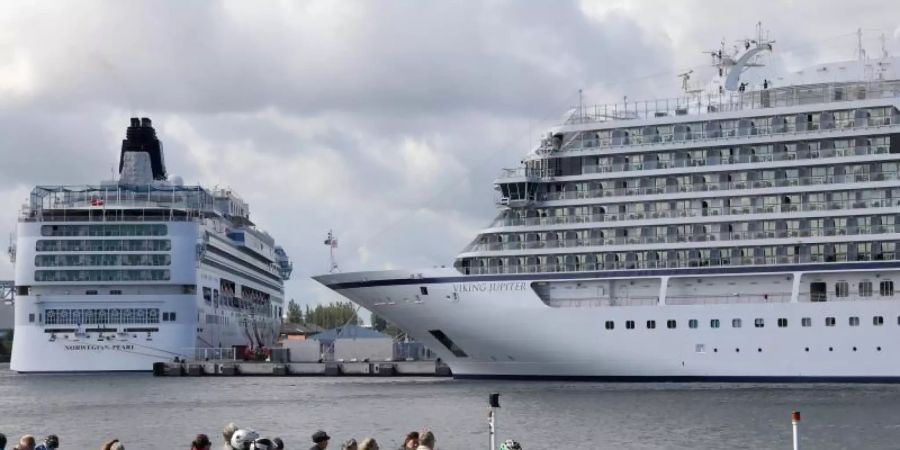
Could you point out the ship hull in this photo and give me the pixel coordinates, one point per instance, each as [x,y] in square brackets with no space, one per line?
[498,326]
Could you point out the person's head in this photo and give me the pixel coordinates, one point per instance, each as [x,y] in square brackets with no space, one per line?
[52,442]
[427,439]
[263,444]
[321,439]
[349,444]
[26,442]
[279,444]
[368,444]
[229,431]
[241,439]
[411,440]
[510,444]
[201,442]
[2,441]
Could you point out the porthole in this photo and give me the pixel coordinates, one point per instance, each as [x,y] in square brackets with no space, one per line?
[830,349]
[759,350]
[878,348]
[715,350]
[854,349]
[737,350]
[807,349]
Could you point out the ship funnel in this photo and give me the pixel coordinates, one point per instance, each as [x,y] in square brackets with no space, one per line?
[141,160]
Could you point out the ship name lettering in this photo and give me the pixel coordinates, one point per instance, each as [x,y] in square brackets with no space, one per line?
[497,286]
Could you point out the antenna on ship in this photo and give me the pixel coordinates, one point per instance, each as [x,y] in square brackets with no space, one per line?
[860,51]
[332,243]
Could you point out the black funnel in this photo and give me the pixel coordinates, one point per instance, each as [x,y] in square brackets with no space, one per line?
[141,137]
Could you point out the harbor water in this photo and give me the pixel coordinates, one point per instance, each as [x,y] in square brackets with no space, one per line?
[147,412]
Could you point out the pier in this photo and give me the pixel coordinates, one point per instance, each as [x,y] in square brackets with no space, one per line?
[307,369]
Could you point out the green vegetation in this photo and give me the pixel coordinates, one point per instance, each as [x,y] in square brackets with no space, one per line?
[331,315]
[294,314]
[379,324]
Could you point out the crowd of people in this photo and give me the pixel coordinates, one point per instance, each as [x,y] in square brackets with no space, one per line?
[236,438]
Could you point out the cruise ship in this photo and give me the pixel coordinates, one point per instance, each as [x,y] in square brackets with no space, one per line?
[747,230]
[119,275]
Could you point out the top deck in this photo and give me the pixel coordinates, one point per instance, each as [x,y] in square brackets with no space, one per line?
[703,103]
[56,202]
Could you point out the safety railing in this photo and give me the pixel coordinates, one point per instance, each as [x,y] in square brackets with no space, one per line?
[668,264]
[696,212]
[680,238]
[714,186]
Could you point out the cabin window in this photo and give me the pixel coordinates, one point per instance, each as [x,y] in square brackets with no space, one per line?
[629,324]
[90,292]
[692,323]
[854,321]
[714,323]
[829,321]
[841,289]
[887,288]
[610,325]
[651,324]
[759,322]
[671,324]
[115,292]
[878,321]
[423,290]
[735,323]
[806,322]
[31,317]
[782,322]
[865,288]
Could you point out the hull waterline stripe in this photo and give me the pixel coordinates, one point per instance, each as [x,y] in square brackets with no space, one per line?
[687,379]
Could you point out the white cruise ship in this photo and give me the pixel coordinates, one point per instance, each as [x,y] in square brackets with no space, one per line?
[746,231]
[117,276]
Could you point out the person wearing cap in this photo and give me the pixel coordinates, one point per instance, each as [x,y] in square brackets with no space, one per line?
[227,432]
[50,443]
[279,444]
[349,444]
[321,439]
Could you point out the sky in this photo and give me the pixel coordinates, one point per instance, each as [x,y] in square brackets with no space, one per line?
[386,121]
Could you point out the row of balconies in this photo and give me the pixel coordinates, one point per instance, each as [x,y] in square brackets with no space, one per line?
[737,159]
[713,186]
[528,243]
[671,264]
[696,212]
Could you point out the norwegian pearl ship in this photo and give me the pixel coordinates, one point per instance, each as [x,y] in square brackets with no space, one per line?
[747,231]
[117,276]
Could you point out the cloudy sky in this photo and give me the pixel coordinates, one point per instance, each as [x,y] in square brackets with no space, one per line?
[385,121]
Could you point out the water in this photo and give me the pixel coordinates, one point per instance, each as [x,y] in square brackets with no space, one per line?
[146,412]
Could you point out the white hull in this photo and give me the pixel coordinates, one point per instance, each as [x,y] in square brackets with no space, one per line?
[507,330]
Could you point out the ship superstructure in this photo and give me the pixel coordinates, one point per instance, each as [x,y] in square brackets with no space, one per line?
[745,231]
[119,275]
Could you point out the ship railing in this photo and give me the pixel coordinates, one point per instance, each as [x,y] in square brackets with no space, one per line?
[738,159]
[601,302]
[733,134]
[830,296]
[55,201]
[213,353]
[721,261]
[697,237]
[729,299]
[710,211]
[707,103]
[720,186]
